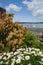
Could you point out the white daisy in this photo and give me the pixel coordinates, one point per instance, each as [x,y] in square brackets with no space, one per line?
[41,59]
[27,57]
[18,60]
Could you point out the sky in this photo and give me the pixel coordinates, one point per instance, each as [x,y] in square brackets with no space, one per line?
[24,10]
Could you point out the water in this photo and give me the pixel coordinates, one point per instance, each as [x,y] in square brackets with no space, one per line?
[33,25]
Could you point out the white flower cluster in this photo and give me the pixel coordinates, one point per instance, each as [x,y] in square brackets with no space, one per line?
[22,54]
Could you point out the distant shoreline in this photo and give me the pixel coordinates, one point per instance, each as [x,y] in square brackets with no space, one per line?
[30,22]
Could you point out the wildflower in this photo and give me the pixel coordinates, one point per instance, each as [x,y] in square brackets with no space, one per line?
[29,64]
[30,49]
[37,49]
[33,52]
[4,58]
[8,54]
[25,52]
[20,49]
[33,48]
[40,53]
[4,53]
[19,57]
[15,53]
[7,62]
[41,59]
[41,62]
[23,49]
[11,53]
[27,57]
[22,54]
[0,57]
[1,62]
[18,60]
[13,60]
[27,49]
[12,63]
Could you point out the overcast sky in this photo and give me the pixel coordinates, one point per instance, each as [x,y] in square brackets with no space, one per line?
[24,10]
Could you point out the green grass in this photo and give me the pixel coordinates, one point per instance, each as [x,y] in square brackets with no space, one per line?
[41,47]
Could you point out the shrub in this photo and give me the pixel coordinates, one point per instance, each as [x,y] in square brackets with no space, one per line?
[11,34]
[30,40]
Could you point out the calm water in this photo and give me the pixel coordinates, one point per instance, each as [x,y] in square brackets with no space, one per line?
[33,25]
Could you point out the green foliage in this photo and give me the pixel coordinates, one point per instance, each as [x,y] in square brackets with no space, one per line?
[30,40]
[7,49]
[34,60]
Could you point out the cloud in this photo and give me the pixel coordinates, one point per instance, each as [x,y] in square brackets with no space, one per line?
[36,6]
[13,7]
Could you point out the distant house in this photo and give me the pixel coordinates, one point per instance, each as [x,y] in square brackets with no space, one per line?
[2,13]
